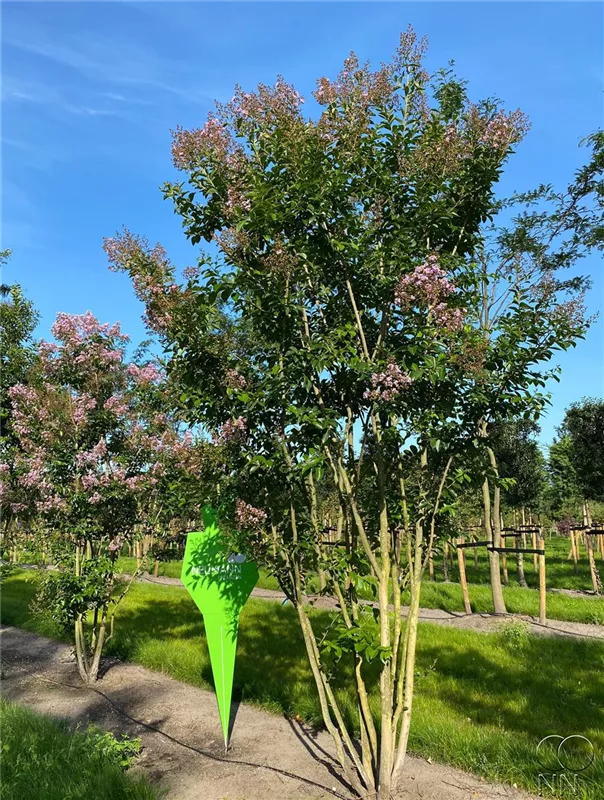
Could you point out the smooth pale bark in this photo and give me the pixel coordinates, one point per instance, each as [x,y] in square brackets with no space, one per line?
[496,588]
[446,562]
[504,558]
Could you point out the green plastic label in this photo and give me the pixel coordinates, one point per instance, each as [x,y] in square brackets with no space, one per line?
[220,583]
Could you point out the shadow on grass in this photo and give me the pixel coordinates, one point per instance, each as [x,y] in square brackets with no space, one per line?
[483,701]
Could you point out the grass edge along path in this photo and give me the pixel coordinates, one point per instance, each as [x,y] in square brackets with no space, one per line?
[43,758]
[448,597]
[483,700]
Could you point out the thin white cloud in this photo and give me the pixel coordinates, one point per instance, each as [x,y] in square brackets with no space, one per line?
[56,100]
[123,63]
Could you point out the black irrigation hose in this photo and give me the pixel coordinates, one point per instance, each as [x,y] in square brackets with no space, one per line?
[197,750]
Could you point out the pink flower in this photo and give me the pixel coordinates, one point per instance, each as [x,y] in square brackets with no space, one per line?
[449,318]
[81,405]
[427,285]
[77,328]
[93,456]
[117,404]
[46,349]
[190,273]
[52,503]
[233,430]
[89,480]
[234,380]
[116,543]
[146,374]
[389,384]
[248,516]
[503,130]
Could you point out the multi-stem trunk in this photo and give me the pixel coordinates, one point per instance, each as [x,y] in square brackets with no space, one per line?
[496,587]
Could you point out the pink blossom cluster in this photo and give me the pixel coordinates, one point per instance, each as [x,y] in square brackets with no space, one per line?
[22,394]
[28,411]
[190,273]
[84,343]
[388,384]
[80,406]
[248,516]
[117,404]
[504,130]
[96,454]
[451,319]
[47,349]
[234,380]
[127,247]
[34,475]
[116,544]
[267,103]
[356,83]
[211,141]
[78,328]
[52,503]
[151,274]
[233,430]
[149,373]
[427,285]
[571,312]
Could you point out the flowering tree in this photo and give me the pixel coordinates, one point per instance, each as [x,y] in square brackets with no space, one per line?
[93,458]
[337,341]
[18,319]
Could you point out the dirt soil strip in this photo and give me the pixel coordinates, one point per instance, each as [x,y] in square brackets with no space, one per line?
[475,622]
[270,758]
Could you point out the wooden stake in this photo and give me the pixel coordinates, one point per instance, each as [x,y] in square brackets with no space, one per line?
[595,578]
[534,546]
[461,560]
[504,559]
[542,588]
[574,547]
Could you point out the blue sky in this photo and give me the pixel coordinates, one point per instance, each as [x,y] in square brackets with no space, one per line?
[91,90]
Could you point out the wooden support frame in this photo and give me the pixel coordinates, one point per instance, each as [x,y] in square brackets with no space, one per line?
[538,554]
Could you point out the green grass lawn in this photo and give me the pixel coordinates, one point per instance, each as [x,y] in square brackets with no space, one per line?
[483,701]
[42,759]
[173,569]
[447,596]
[560,571]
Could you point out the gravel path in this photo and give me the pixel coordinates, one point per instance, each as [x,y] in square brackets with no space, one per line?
[475,622]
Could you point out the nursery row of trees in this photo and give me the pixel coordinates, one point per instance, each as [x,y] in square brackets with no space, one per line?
[366,340]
